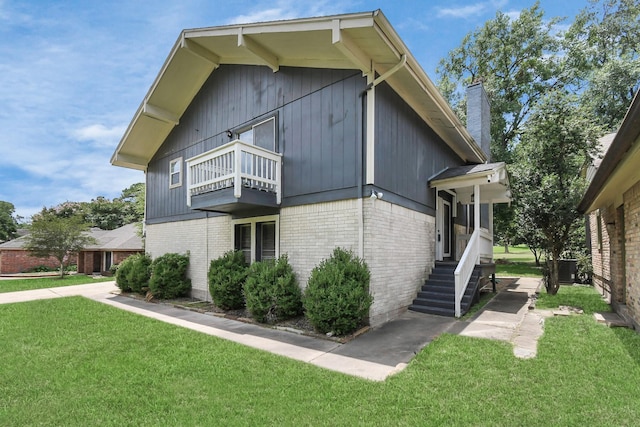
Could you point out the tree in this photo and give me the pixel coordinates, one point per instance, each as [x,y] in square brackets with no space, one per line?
[57,236]
[604,53]
[8,224]
[547,184]
[518,63]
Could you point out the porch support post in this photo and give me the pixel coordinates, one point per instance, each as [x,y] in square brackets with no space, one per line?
[491,221]
[437,228]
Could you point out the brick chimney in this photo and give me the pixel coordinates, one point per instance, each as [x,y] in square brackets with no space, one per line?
[479,116]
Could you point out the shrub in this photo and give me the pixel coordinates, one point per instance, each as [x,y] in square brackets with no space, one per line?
[169,276]
[271,291]
[227,275]
[337,297]
[133,273]
[122,273]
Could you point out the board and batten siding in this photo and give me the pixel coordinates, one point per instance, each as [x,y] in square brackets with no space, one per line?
[407,151]
[318,123]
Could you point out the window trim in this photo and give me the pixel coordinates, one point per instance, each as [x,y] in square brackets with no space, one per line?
[252,125]
[178,161]
[253,221]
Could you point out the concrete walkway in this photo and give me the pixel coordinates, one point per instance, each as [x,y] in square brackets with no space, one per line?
[374,355]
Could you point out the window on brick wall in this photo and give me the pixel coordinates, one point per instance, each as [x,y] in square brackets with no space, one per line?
[257,238]
[599,226]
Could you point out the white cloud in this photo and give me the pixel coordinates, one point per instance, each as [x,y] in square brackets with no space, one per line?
[291,9]
[471,10]
[100,134]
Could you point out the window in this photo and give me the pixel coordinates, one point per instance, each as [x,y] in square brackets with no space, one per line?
[262,134]
[108,259]
[257,238]
[175,173]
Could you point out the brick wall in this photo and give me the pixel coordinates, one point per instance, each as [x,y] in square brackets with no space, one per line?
[400,252]
[632,250]
[398,246]
[18,261]
[204,239]
[600,254]
[309,233]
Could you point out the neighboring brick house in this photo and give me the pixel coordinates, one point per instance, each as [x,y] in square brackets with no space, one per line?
[612,205]
[113,246]
[294,137]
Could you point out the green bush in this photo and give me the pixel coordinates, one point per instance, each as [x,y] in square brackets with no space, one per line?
[226,276]
[133,273]
[169,276]
[271,291]
[337,297]
[122,274]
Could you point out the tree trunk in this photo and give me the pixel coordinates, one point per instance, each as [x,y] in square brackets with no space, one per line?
[506,248]
[62,270]
[553,281]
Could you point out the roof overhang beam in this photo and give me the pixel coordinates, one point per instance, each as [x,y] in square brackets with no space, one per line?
[161,114]
[262,53]
[349,49]
[199,51]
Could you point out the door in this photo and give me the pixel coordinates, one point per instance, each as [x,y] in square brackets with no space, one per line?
[444,229]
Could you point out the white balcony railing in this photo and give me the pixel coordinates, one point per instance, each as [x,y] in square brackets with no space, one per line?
[480,245]
[234,165]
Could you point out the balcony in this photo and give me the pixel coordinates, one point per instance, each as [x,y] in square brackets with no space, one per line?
[234,177]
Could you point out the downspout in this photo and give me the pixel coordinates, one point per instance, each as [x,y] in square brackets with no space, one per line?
[367,131]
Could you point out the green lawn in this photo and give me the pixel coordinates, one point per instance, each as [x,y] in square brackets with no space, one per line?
[12,285]
[73,361]
[519,262]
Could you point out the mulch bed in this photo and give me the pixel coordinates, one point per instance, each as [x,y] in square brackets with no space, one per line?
[298,325]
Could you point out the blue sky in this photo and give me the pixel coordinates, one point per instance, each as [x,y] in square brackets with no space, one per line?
[72,74]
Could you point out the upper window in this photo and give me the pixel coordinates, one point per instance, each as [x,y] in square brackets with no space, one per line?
[261,134]
[175,172]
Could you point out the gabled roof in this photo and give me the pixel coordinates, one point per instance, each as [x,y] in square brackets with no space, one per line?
[364,41]
[618,170]
[124,238]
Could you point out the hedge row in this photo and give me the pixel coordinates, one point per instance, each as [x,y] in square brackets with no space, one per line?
[336,299]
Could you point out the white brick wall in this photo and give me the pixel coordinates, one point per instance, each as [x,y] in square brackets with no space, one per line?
[398,246]
[400,252]
[309,233]
[204,239]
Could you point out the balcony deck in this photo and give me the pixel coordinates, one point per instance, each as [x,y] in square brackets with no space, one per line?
[233,178]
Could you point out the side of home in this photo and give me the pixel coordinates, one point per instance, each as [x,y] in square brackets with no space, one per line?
[612,205]
[295,137]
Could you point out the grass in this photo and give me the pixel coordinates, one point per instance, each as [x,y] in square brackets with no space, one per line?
[580,296]
[13,285]
[73,361]
[518,262]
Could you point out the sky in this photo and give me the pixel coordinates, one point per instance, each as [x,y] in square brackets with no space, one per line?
[73,73]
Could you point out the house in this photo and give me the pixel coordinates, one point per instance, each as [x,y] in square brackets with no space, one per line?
[612,205]
[111,248]
[295,137]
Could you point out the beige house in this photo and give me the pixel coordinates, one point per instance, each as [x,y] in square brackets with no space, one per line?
[612,203]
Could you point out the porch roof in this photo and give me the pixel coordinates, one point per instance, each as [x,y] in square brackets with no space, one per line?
[492,178]
[360,41]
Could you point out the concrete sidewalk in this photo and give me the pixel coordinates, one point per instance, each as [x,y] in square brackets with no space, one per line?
[374,355]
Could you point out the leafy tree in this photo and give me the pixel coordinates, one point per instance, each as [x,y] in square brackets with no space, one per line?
[546,179]
[8,224]
[604,53]
[517,61]
[57,236]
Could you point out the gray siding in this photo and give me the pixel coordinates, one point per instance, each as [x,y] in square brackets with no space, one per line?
[407,151]
[318,113]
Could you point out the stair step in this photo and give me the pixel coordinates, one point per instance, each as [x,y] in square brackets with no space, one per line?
[433,302]
[433,310]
